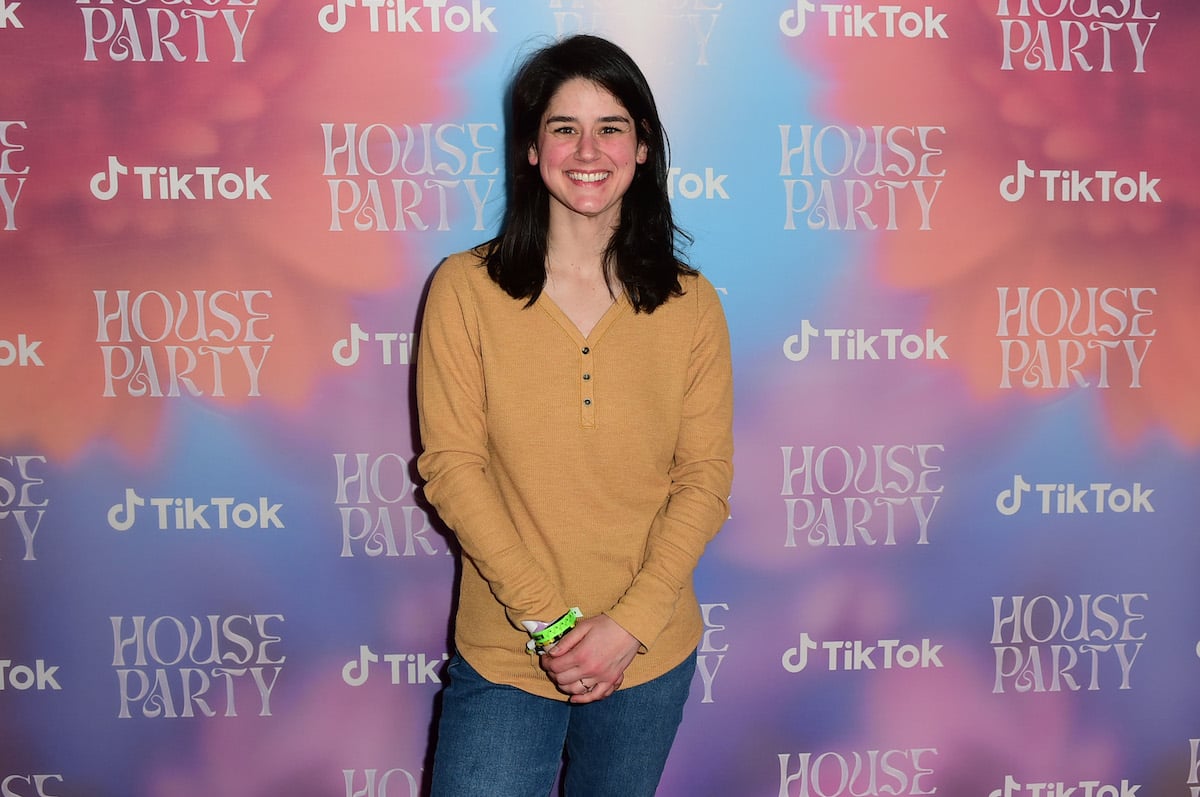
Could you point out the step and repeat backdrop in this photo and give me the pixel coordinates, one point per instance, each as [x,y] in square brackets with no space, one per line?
[958,244]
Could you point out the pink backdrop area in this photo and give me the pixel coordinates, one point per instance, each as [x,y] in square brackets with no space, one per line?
[958,245]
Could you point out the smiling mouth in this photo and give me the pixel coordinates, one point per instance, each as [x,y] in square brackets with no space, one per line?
[587,177]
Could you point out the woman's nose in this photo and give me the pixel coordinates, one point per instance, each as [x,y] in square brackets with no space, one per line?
[587,147]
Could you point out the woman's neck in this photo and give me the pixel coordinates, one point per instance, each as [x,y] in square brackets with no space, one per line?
[576,279]
[576,252]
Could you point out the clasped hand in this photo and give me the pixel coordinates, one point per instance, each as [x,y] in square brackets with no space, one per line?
[588,664]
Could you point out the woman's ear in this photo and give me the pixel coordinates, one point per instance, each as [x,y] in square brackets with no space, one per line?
[643,149]
[533,155]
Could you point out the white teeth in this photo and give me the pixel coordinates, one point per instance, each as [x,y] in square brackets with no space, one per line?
[591,177]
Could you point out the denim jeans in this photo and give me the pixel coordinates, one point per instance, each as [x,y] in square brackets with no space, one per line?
[498,741]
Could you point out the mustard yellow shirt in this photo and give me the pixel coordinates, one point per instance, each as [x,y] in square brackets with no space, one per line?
[574,471]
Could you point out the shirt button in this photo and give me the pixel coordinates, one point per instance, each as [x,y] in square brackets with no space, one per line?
[586,350]
[587,402]
[586,377]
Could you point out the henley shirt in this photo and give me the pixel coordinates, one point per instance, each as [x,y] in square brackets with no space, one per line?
[574,470]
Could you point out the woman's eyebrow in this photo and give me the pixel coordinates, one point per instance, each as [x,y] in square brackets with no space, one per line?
[560,119]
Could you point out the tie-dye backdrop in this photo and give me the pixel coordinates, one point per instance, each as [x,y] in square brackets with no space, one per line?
[959,249]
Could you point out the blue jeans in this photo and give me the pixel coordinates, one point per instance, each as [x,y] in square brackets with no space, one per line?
[498,741]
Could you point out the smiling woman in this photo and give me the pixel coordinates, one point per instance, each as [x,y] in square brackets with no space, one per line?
[638,242]
[575,397]
[586,152]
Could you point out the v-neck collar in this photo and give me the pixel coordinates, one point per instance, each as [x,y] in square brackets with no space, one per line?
[614,311]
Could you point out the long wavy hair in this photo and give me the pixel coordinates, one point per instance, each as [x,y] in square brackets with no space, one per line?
[644,252]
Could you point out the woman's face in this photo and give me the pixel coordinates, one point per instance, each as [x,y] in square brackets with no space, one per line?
[587,151]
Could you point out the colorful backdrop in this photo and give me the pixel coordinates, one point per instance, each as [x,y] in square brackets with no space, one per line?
[958,247]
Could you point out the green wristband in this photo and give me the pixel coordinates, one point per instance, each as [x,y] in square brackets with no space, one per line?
[555,631]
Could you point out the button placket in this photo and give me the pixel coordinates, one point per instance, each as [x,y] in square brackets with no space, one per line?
[586,392]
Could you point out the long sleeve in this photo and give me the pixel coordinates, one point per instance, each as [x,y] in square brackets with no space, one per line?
[574,470]
[452,406]
[701,476]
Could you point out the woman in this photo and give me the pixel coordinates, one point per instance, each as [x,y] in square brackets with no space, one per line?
[575,400]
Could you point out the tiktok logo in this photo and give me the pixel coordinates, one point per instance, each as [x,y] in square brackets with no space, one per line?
[793,21]
[856,21]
